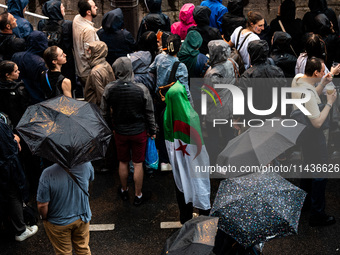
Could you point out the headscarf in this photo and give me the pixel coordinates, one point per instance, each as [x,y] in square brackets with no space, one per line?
[189,50]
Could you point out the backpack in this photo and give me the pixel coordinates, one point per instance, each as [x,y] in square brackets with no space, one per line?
[54,32]
[51,90]
[235,53]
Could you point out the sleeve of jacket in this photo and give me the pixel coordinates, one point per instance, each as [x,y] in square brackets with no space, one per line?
[183,78]
[105,107]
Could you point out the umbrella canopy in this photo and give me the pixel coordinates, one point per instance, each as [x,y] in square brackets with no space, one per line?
[197,236]
[258,207]
[259,145]
[65,131]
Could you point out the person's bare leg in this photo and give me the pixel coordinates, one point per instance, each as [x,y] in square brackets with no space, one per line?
[123,173]
[138,178]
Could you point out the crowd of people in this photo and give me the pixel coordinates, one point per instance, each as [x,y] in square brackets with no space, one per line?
[127,79]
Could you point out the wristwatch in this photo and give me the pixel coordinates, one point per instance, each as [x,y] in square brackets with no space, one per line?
[329,105]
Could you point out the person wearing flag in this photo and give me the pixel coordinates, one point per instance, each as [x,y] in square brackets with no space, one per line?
[187,153]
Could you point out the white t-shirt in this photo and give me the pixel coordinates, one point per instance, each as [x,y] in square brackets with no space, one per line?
[313,104]
[244,50]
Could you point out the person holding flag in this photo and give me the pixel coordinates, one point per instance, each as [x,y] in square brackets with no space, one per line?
[186,150]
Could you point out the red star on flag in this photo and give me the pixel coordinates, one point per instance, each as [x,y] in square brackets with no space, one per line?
[182,148]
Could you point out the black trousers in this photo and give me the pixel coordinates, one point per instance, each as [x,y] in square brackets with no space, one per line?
[15,210]
[186,210]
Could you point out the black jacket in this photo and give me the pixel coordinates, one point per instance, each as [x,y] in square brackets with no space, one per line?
[131,103]
[272,76]
[14,99]
[293,26]
[202,18]
[155,20]
[233,18]
[119,41]
[11,171]
[282,54]
[10,44]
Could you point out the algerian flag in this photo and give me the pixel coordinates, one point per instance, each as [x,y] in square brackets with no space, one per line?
[187,153]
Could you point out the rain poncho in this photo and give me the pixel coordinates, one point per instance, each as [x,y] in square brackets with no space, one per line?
[262,88]
[189,54]
[119,41]
[233,19]
[101,73]
[10,44]
[155,20]
[282,54]
[201,16]
[141,60]
[221,71]
[217,12]
[186,20]
[293,26]
[31,64]
[16,8]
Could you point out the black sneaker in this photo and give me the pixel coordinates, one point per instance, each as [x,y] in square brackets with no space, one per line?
[138,201]
[124,195]
[323,220]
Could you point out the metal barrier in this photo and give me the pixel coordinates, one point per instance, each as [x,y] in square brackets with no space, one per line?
[34,16]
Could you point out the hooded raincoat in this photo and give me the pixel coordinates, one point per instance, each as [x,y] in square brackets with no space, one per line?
[16,8]
[282,54]
[131,103]
[271,76]
[316,7]
[221,71]
[186,20]
[141,60]
[233,19]
[101,73]
[196,62]
[217,12]
[31,64]
[202,18]
[293,26]
[119,41]
[155,20]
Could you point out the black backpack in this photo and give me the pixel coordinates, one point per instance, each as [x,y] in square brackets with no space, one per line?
[54,32]
[51,90]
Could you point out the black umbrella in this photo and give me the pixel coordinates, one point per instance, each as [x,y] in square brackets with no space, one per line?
[65,131]
[197,236]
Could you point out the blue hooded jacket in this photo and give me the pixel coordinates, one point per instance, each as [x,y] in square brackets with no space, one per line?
[16,8]
[119,41]
[217,12]
[31,64]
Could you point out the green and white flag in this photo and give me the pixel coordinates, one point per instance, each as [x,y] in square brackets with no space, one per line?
[187,153]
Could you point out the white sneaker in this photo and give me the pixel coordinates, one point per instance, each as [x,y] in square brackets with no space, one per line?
[166,167]
[30,231]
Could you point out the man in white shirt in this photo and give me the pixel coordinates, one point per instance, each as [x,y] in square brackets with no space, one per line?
[84,32]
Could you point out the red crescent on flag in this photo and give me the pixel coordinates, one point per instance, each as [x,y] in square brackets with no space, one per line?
[191,132]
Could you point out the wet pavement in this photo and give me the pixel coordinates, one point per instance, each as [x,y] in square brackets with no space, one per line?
[137,229]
